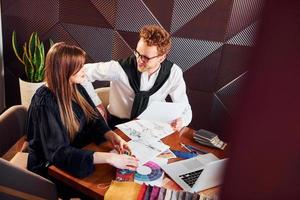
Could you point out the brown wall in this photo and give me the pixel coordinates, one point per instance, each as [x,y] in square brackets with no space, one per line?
[211,41]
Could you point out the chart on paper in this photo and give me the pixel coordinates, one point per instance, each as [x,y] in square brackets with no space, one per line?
[144,129]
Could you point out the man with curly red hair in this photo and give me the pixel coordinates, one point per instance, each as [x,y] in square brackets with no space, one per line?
[142,78]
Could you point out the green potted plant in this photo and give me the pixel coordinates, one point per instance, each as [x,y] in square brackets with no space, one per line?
[32,56]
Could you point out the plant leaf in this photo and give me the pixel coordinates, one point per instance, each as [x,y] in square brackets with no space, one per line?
[42,51]
[33,57]
[39,64]
[32,44]
[15,48]
[51,42]
[28,67]
[38,42]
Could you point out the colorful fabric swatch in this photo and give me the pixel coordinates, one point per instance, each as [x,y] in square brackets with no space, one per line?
[148,192]
[134,191]
[162,194]
[122,190]
[154,193]
[142,192]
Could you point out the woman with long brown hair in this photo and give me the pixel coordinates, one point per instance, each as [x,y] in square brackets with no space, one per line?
[62,119]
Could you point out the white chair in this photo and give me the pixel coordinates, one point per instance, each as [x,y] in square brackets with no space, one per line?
[103,94]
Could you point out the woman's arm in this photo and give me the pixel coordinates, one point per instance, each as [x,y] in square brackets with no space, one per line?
[121,161]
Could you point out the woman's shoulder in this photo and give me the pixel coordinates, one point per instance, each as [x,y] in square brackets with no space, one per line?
[43,97]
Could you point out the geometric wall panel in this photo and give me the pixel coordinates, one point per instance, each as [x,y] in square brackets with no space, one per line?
[229,93]
[11,79]
[97,42]
[234,62]
[193,50]
[162,10]
[132,15]
[6,4]
[108,9]
[246,37]
[131,38]
[219,116]
[244,13]
[39,20]
[83,13]
[197,77]
[185,11]
[121,49]
[58,33]
[201,114]
[210,24]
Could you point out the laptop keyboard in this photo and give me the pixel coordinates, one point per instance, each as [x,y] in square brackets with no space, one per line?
[191,178]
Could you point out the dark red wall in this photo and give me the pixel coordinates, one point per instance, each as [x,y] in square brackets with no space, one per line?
[211,41]
[265,152]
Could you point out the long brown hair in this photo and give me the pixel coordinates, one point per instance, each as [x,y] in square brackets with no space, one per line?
[63,61]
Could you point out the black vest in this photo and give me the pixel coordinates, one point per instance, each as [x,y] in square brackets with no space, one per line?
[141,98]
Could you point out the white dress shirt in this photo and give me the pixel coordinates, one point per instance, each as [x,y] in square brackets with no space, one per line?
[121,94]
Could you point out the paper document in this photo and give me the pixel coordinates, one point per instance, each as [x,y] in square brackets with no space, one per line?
[145,151]
[144,129]
[162,111]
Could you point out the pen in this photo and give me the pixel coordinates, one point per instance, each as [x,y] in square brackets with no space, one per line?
[185,147]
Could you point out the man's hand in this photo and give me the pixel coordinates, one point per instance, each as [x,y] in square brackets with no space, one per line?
[102,111]
[177,124]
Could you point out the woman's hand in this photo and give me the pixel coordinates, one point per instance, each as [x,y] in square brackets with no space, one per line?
[118,143]
[123,161]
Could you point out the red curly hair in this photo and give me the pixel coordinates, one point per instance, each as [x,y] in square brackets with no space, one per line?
[155,35]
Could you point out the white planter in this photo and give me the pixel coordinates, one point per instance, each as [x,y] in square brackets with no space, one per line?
[27,90]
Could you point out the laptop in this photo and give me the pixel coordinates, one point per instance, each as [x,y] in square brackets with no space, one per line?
[197,173]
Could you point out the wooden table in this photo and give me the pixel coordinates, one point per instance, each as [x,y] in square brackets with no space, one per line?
[98,182]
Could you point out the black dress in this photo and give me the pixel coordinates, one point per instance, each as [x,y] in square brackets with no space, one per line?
[49,142]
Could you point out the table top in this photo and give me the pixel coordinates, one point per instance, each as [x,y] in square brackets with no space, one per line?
[99,181]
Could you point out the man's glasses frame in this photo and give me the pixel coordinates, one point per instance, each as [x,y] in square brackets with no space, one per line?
[142,57]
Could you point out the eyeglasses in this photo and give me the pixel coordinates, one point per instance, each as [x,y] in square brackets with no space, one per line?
[142,57]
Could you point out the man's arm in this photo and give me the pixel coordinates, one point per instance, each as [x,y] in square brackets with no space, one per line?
[178,95]
[102,71]
[95,98]
[91,91]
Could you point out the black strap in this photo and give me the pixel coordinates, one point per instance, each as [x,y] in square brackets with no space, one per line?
[141,98]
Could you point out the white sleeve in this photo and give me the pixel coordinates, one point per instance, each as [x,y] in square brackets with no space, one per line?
[91,91]
[102,71]
[178,94]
